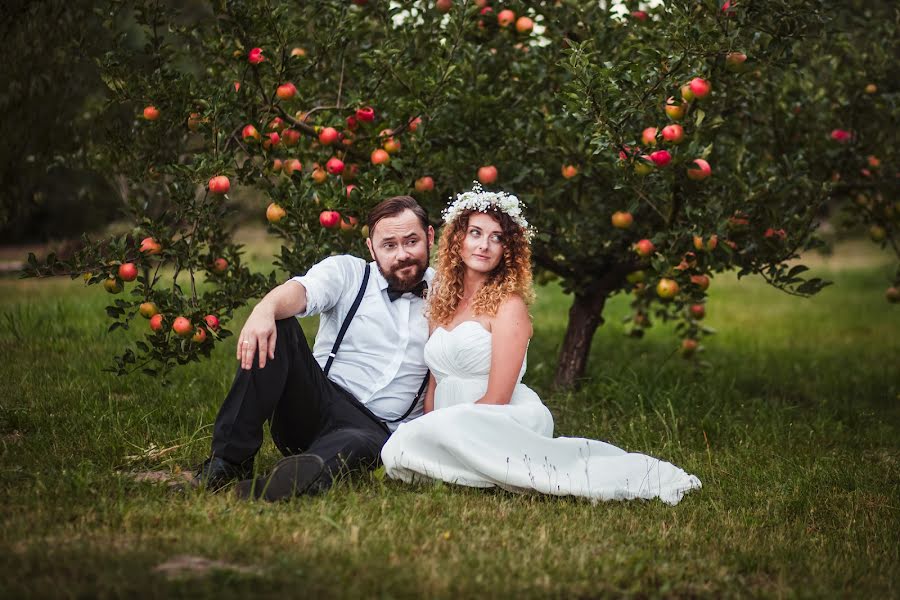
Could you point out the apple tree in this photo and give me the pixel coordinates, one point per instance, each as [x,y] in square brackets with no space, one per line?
[654,147]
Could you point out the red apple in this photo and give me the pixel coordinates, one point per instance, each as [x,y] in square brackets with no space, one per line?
[250,134]
[148,309]
[506,17]
[524,25]
[424,184]
[301,52]
[734,61]
[151,113]
[701,281]
[219,185]
[701,171]
[329,219]
[349,190]
[349,223]
[686,94]
[212,321]
[156,322]
[182,327]
[644,248]
[365,114]
[700,87]
[569,171]
[272,139]
[414,124]
[128,271]
[689,347]
[698,311]
[840,135]
[199,336]
[276,124]
[275,213]
[328,136]
[639,15]
[150,246]
[621,219]
[290,137]
[648,136]
[487,174]
[286,91]
[193,122]
[291,166]
[444,6]
[220,265]
[380,157]
[255,56]
[661,158]
[335,166]
[673,134]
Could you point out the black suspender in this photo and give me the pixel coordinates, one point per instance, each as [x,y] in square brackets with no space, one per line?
[347,319]
[340,338]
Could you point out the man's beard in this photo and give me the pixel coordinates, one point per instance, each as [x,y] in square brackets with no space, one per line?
[405,284]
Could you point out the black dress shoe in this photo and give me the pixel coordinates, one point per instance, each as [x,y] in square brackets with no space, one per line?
[215,473]
[291,476]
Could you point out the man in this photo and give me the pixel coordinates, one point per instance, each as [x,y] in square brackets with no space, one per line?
[334,407]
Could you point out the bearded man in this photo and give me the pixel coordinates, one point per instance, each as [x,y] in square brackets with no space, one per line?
[330,408]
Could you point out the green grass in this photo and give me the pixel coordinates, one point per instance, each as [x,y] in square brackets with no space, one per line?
[794,431]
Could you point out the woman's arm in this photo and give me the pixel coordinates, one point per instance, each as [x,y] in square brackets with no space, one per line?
[510,332]
[429,393]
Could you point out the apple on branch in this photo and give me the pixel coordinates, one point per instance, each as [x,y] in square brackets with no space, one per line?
[128,271]
[182,327]
[487,174]
[151,113]
[275,213]
[621,219]
[219,185]
[329,219]
[286,91]
[424,184]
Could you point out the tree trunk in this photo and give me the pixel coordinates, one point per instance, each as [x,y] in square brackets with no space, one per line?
[585,316]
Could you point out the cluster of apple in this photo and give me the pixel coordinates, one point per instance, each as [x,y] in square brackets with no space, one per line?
[182,326]
[644,164]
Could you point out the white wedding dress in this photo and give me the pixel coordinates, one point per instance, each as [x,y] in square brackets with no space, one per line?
[512,446]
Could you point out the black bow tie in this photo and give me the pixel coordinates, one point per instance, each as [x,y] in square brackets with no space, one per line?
[418,290]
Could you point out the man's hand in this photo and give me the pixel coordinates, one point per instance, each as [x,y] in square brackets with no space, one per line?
[258,334]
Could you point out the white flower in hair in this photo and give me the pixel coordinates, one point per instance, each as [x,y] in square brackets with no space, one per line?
[480,200]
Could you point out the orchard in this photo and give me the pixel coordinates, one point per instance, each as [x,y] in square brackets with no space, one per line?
[654,146]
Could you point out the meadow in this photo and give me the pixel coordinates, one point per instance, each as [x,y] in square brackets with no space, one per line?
[793,428]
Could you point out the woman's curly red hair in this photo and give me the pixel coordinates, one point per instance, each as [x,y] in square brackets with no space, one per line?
[511,276]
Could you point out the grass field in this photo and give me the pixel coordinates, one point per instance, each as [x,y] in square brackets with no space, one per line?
[794,431]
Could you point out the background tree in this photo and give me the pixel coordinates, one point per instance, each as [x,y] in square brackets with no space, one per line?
[654,147]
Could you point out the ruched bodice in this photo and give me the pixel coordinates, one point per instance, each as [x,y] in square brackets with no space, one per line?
[464,351]
[511,445]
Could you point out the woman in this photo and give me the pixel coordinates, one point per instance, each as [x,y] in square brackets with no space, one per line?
[482,427]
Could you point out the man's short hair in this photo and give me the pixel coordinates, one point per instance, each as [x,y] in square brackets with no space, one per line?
[393,207]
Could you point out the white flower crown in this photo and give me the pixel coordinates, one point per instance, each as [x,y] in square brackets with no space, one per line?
[480,200]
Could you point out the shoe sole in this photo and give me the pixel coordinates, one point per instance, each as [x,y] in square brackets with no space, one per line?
[291,476]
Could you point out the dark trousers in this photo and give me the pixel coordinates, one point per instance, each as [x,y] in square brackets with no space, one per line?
[307,412]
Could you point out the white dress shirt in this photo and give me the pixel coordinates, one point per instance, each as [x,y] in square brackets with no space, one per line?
[381,359]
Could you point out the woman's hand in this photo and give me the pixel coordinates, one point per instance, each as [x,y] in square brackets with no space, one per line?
[259,333]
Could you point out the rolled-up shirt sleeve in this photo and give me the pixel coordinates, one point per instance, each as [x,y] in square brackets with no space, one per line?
[325,282]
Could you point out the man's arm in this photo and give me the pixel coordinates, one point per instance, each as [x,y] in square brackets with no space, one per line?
[287,300]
